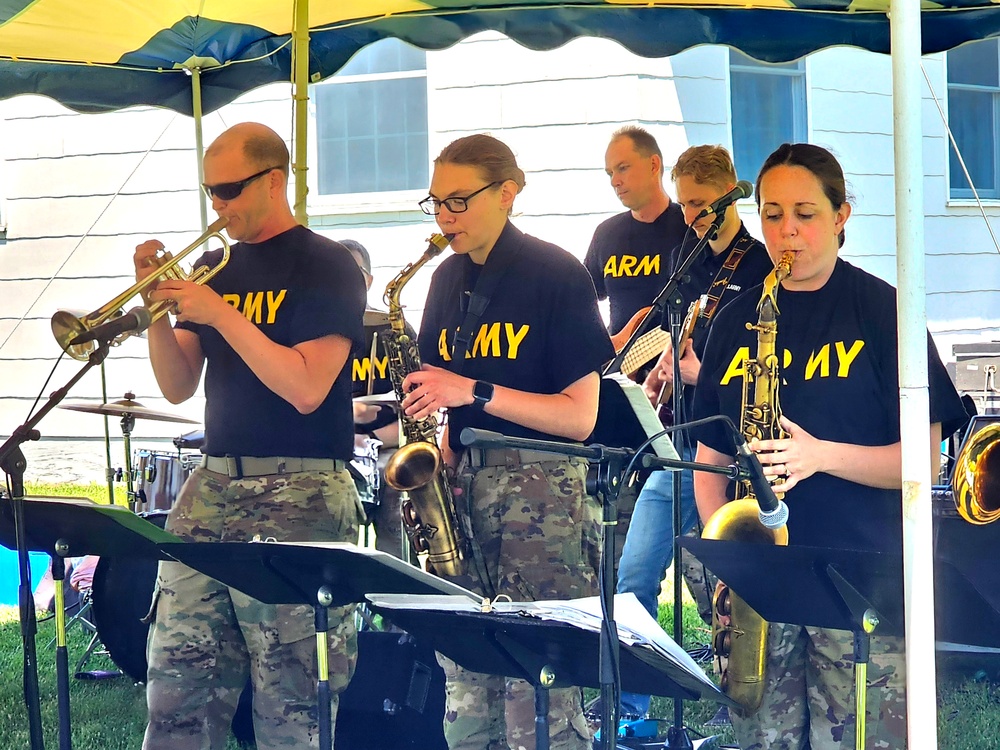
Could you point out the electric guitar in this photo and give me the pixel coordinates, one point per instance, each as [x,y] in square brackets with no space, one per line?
[647,348]
[663,407]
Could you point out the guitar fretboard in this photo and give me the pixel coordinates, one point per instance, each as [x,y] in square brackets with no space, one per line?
[647,347]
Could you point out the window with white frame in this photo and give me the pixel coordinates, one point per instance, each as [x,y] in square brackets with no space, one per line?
[371,122]
[973,106]
[768,105]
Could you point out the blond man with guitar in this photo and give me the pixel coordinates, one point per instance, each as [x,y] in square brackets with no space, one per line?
[732,262]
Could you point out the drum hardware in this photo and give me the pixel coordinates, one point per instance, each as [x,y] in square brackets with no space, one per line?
[129,410]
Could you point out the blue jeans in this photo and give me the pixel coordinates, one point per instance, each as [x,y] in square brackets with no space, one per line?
[649,548]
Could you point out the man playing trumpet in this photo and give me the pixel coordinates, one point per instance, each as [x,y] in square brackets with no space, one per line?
[275,327]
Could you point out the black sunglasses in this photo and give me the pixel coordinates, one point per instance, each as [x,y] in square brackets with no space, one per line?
[228,191]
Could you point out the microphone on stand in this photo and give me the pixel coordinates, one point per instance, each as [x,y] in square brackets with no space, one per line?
[743,189]
[135,320]
[773,512]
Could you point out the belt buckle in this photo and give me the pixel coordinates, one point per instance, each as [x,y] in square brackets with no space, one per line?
[234,467]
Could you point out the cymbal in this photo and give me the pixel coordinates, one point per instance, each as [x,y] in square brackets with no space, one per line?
[376,318]
[123,408]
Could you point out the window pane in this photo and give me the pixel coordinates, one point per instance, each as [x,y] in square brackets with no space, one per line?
[971,116]
[382,143]
[385,56]
[974,64]
[757,129]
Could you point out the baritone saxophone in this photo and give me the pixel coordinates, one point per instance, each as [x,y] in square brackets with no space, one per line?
[418,468]
[743,642]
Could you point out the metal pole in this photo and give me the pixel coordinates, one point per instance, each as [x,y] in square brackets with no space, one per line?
[300,80]
[918,551]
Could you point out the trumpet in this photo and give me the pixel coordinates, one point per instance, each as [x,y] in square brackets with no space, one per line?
[67,327]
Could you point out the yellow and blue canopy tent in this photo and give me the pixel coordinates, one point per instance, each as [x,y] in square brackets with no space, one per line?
[194,56]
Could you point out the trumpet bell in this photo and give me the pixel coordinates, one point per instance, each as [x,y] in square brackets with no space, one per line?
[66,327]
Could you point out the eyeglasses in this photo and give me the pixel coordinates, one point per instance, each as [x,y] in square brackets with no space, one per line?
[229,191]
[432,206]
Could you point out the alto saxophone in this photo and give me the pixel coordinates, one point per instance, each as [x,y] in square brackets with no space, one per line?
[418,467]
[743,642]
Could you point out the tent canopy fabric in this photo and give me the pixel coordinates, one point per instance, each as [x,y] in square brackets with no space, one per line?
[95,57]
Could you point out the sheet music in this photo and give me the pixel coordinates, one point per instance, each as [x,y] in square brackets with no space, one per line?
[636,629]
[646,415]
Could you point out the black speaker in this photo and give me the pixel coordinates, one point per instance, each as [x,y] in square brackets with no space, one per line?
[396,698]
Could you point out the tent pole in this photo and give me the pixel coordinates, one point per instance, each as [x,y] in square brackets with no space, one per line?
[300,79]
[199,143]
[918,553]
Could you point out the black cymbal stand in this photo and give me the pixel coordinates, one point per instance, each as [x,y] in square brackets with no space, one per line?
[13,463]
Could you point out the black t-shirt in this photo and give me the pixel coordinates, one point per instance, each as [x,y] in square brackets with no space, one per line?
[296,287]
[541,331]
[629,260]
[839,381]
[751,270]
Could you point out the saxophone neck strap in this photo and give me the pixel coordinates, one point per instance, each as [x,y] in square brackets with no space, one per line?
[479,299]
[723,277]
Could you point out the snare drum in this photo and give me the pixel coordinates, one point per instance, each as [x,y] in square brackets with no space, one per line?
[158,476]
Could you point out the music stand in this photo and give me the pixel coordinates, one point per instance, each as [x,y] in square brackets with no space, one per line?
[852,590]
[547,653]
[320,574]
[73,527]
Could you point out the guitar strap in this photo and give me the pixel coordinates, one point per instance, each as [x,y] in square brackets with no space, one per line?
[479,300]
[721,283]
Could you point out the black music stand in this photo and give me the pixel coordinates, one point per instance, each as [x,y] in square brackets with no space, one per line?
[547,653]
[320,574]
[851,590]
[72,527]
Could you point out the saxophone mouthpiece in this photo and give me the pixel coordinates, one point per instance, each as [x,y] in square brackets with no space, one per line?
[438,242]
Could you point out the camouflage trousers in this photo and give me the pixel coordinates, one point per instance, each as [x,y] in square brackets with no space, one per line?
[207,639]
[809,695]
[540,539]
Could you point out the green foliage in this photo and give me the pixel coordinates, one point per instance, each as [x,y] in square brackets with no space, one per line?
[96,492]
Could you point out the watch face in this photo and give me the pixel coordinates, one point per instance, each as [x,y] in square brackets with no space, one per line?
[482,391]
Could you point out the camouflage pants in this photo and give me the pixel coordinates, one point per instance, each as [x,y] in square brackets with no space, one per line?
[809,695]
[207,638]
[540,539]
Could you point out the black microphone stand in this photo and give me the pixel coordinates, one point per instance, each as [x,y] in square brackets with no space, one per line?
[604,480]
[13,464]
[667,309]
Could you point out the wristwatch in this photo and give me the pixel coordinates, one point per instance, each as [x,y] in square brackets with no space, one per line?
[482,393]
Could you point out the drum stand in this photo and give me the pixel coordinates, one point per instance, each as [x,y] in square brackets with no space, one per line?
[127,425]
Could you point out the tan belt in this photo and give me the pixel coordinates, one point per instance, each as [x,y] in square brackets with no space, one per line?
[510,457]
[237,467]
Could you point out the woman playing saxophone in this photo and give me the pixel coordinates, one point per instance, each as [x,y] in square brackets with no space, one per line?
[839,463]
[530,369]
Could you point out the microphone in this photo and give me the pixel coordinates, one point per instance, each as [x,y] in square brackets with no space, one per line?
[135,320]
[773,512]
[743,189]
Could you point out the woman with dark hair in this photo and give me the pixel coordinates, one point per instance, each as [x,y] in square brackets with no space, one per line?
[839,468]
[526,367]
